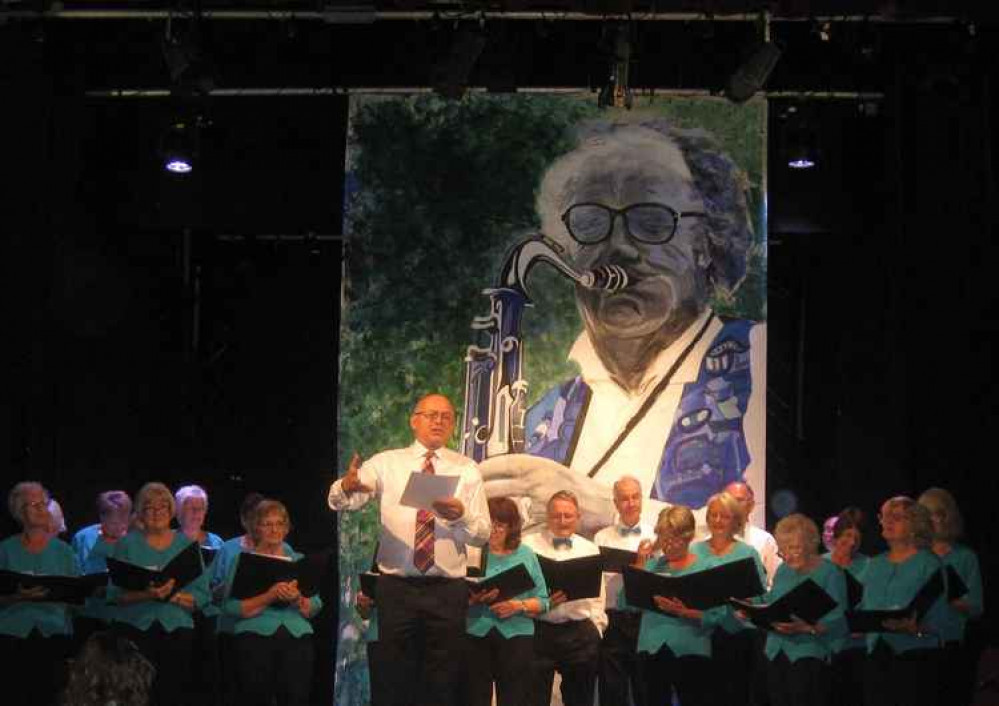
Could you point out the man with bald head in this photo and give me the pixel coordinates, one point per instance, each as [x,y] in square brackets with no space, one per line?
[422,555]
[619,664]
[756,537]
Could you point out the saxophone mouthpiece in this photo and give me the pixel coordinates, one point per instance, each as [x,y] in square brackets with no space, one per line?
[610,278]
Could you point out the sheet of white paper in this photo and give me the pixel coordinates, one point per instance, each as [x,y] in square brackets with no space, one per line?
[423,488]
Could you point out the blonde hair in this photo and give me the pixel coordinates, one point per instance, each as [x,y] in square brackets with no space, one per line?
[733,507]
[918,517]
[938,500]
[265,508]
[14,502]
[148,492]
[678,521]
[801,527]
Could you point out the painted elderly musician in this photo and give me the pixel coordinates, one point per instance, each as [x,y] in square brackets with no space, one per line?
[668,391]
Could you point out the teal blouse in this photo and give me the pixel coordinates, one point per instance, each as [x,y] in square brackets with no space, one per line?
[683,637]
[965,563]
[724,616]
[134,549]
[830,579]
[274,616]
[57,559]
[857,568]
[481,620]
[92,551]
[889,585]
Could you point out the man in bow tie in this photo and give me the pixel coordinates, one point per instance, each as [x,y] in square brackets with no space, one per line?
[567,639]
[619,663]
[422,595]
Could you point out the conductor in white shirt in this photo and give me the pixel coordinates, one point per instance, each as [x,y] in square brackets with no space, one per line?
[422,556]
[567,639]
[619,663]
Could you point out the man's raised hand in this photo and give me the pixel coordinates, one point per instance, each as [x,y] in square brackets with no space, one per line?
[350,483]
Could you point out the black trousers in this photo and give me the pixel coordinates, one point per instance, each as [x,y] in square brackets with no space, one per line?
[804,681]
[277,666]
[376,674]
[573,650]
[170,653]
[958,672]
[735,655]
[690,676]
[33,668]
[421,629]
[620,667]
[848,677]
[503,661]
[905,679]
[205,666]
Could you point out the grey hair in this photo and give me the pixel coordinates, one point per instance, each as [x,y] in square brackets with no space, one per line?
[14,497]
[720,182]
[187,492]
[801,527]
[625,479]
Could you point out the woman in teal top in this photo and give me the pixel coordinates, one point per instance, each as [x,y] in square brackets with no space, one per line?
[272,637]
[501,634]
[675,644]
[958,661]
[34,634]
[732,639]
[93,545]
[158,619]
[903,660]
[849,651]
[799,653]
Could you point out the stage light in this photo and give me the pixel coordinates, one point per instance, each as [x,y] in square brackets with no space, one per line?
[800,142]
[179,146]
[616,93]
[752,75]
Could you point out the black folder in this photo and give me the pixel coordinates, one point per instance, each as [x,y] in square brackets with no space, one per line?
[854,590]
[369,584]
[873,620]
[61,589]
[616,559]
[208,555]
[255,573]
[577,578]
[956,587]
[183,568]
[511,583]
[807,601]
[700,590]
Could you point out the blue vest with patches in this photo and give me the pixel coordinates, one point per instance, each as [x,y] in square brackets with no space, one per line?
[706,446]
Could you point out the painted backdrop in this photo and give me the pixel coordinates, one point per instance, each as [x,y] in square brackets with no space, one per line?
[587,286]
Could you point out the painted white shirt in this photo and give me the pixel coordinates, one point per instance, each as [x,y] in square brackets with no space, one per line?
[387,474]
[583,608]
[766,546]
[611,407]
[613,537]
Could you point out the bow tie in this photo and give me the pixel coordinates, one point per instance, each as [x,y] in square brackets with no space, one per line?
[562,542]
[625,531]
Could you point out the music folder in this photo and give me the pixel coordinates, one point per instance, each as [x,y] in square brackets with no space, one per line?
[61,589]
[700,590]
[616,559]
[577,578]
[854,590]
[873,620]
[956,587]
[369,584]
[511,583]
[183,568]
[808,601]
[255,573]
[208,555]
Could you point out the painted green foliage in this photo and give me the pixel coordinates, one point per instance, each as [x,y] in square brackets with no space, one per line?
[437,192]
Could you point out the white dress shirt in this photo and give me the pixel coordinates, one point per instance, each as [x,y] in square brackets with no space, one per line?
[766,546]
[611,407]
[583,608]
[387,474]
[617,537]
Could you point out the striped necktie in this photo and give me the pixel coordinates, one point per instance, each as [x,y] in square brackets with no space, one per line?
[423,543]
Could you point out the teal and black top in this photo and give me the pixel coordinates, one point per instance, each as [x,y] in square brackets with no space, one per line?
[481,620]
[965,563]
[724,616]
[134,549]
[92,551]
[274,616]
[892,585]
[56,559]
[830,579]
[856,569]
[657,630]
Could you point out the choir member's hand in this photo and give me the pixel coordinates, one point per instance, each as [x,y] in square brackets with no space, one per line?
[907,626]
[504,609]
[742,615]
[961,605]
[797,626]
[350,483]
[556,599]
[287,591]
[162,591]
[304,606]
[673,606]
[35,593]
[448,508]
[364,605]
[184,600]
[645,550]
[483,597]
